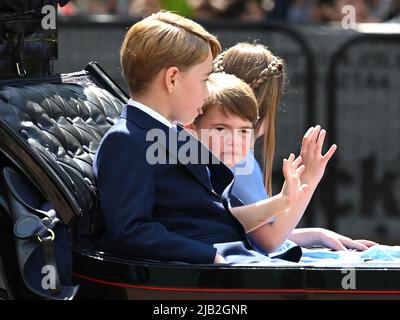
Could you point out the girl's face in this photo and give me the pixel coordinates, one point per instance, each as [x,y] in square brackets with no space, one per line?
[227,135]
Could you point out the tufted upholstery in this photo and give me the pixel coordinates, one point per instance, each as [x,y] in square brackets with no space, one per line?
[62,120]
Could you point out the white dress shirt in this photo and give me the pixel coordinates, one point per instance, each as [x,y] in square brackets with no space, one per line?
[152,113]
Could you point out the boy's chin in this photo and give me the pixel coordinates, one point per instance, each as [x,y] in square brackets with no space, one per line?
[186,121]
[229,164]
[230,161]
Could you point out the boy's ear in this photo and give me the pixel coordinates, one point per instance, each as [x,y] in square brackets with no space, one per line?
[171,76]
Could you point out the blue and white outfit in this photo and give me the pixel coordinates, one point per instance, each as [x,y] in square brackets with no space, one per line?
[249,188]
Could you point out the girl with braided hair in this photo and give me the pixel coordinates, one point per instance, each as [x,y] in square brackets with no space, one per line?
[259,68]
[264,72]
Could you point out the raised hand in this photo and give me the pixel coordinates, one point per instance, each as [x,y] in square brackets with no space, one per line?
[311,153]
[293,189]
[255,215]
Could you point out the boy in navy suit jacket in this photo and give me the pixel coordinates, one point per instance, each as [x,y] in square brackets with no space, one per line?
[157,201]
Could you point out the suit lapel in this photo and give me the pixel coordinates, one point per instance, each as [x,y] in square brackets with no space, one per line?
[220,175]
[185,149]
[198,156]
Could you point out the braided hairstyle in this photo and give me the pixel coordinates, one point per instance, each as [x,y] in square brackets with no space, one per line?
[264,72]
[218,63]
[274,69]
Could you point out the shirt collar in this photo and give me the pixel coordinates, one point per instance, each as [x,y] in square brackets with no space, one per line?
[152,113]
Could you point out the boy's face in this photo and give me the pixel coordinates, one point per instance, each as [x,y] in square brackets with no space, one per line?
[227,135]
[192,91]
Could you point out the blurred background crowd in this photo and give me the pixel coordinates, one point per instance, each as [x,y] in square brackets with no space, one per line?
[295,11]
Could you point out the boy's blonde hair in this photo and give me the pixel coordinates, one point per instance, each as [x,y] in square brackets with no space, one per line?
[264,72]
[232,95]
[162,40]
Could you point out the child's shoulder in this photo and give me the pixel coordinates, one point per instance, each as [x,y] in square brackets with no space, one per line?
[124,133]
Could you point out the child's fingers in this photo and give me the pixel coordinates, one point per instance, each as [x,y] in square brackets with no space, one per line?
[352,244]
[330,153]
[300,170]
[310,141]
[286,169]
[289,171]
[315,133]
[306,140]
[309,131]
[320,141]
[284,165]
[334,244]
[297,162]
[367,243]
[290,163]
[304,187]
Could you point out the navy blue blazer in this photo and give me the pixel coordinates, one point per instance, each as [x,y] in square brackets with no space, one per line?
[170,212]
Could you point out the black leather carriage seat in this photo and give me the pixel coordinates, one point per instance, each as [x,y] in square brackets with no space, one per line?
[51,128]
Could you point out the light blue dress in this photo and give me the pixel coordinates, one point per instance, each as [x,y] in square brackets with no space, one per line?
[248,187]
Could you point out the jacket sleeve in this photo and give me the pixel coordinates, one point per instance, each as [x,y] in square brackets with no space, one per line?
[126,185]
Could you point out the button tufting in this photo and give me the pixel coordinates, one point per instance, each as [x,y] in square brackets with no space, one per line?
[24,134]
[56,145]
[110,120]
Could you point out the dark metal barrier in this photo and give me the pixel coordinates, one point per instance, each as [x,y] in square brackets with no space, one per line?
[99,38]
[362,191]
